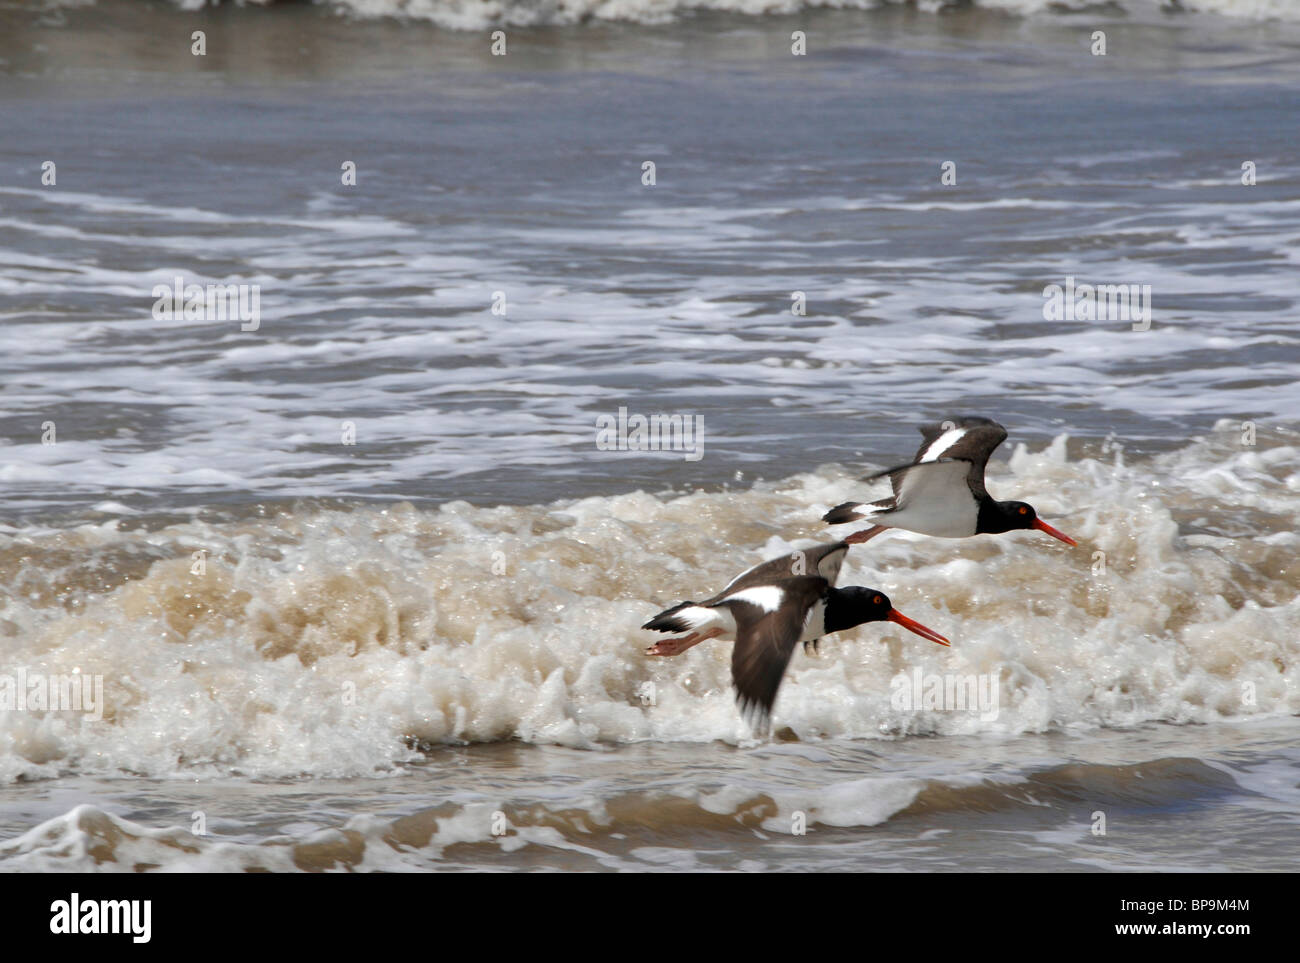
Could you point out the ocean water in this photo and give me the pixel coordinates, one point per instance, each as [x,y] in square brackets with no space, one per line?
[361,590]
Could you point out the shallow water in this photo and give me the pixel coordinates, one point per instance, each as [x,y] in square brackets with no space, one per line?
[1192,799]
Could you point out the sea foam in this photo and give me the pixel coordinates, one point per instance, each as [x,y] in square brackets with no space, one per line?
[342,642]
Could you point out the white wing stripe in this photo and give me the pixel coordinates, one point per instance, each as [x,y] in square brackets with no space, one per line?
[943,443]
[766,597]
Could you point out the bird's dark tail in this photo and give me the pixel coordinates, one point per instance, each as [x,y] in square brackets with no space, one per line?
[667,620]
[848,512]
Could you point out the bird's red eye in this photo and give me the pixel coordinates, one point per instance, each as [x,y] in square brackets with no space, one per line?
[877,600]
[1024,509]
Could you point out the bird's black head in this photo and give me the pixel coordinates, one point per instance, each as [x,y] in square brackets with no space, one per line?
[997,517]
[855,605]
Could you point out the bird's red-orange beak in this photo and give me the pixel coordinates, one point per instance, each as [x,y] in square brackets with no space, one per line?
[913,626]
[1042,526]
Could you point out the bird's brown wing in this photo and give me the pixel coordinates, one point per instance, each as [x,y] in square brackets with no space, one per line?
[765,638]
[978,432]
[978,438]
[827,560]
[824,560]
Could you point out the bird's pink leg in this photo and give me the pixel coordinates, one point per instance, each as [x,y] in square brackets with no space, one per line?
[680,645]
[857,538]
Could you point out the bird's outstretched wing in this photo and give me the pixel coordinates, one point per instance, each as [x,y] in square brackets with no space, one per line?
[767,628]
[931,499]
[824,560]
[963,439]
[910,481]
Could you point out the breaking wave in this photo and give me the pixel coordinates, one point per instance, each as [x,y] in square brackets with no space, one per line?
[303,640]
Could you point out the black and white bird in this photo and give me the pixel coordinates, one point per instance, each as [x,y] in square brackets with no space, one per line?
[767,618]
[942,492]
[824,560]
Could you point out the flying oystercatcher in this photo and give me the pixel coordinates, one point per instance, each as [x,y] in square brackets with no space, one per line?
[942,492]
[767,617]
[823,560]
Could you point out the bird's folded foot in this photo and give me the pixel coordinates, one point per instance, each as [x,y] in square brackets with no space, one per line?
[857,538]
[679,645]
[673,646]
